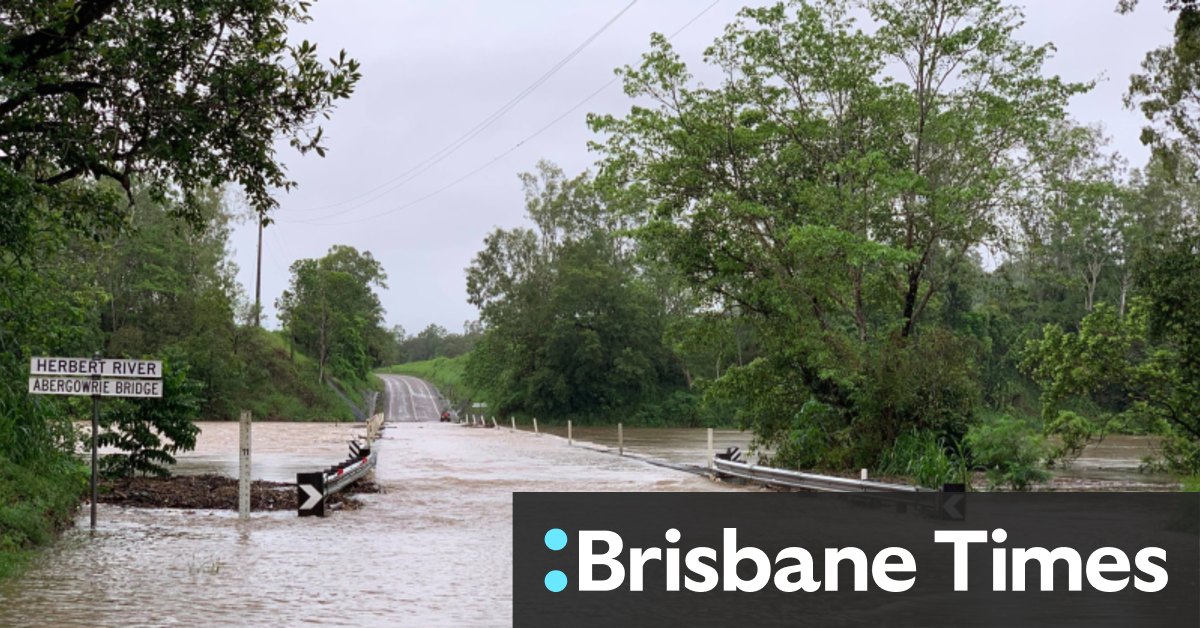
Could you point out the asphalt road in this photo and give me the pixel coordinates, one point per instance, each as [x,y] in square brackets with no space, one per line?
[411,399]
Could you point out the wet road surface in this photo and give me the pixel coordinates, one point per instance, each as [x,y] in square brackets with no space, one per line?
[411,399]
[434,550]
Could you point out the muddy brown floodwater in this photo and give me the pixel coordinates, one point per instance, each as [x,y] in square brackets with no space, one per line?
[434,550]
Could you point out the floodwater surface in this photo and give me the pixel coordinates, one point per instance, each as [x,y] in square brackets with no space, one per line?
[434,550]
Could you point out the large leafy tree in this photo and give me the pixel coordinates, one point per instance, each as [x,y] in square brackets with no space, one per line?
[169,97]
[571,329]
[331,309]
[183,92]
[832,187]
[1168,89]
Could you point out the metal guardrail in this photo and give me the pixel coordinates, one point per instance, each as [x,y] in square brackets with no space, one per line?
[312,489]
[339,477]
[807,481]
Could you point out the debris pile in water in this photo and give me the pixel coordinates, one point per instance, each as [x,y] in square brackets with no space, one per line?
[216,492]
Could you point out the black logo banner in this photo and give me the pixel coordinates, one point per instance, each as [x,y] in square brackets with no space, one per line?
[868,559]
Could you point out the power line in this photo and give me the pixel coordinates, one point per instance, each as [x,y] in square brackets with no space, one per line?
[480,168]
[408,175]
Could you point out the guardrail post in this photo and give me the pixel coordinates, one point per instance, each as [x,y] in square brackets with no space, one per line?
[570,440]
[620,439]
[711,453]
[244,467]
[535,429]
[513,420]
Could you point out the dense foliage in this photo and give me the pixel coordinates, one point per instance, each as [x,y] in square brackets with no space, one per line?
[330,310]
[883,246]
[117,119]
[571,329]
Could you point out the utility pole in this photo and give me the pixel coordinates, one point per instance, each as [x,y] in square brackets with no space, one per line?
[258,277]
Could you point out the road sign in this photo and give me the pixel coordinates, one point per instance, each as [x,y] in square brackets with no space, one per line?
[95,377]
[954,506]
[310,494]
[88,366]
[86,386]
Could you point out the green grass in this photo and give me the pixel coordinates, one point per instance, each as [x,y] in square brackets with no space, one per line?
[36,501]
[283,386]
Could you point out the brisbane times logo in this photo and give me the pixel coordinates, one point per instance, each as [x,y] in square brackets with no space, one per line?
[645,559]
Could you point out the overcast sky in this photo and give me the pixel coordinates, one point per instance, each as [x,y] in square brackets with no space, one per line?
[434,69]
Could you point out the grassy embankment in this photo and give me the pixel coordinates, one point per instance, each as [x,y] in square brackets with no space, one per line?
[281,386]
[37,500]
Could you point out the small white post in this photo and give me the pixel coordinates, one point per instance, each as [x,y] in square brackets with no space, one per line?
[494,422]
[620,439]
[864,475]
[244,467]
[710,449]
[513,420]
[570,440]
[535,430]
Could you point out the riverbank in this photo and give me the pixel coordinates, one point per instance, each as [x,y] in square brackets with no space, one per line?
[37,500]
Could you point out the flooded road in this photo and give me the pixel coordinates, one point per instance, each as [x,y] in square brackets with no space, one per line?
[411,399]
[434,550]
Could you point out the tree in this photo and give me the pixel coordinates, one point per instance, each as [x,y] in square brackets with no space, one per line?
[570,328]
[150,431]
[833,203]
[331,309]
[1138,366]
[1168,90]
[183,93]
[1071,231]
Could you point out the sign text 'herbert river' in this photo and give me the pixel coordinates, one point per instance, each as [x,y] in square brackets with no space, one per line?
[94,377]
[86,366]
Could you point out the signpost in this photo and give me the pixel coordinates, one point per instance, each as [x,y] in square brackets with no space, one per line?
[95,377]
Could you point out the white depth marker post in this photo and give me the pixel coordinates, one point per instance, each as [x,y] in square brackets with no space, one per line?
[514,423]
[710,449]
[244,468]
[535,430]
[620,439]
[570,441]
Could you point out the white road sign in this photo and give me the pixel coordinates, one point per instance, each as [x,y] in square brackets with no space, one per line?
[86,366]
[86,386]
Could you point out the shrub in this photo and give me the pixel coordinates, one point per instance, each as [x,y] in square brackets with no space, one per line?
[1074,432]
[925,457]
[1010,451]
